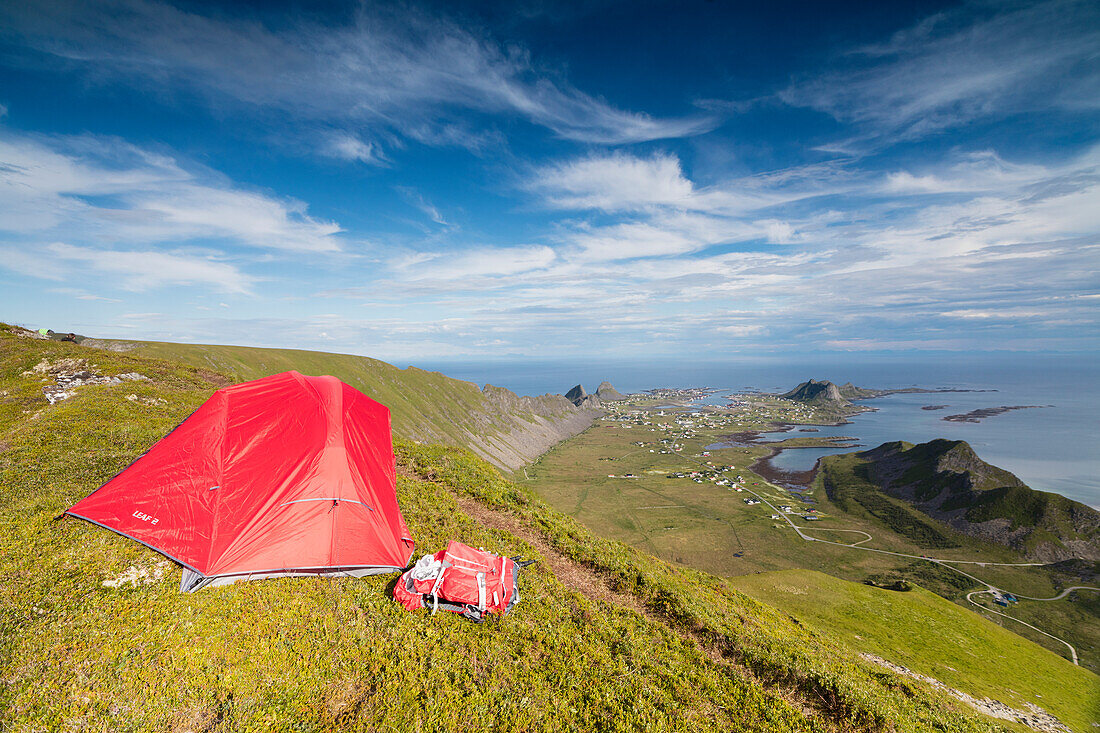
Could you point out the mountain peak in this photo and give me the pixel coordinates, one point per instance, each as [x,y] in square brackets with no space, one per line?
[816,391]
[607,392]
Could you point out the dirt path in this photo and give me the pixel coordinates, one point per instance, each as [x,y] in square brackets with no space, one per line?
[594,586]
[572,574]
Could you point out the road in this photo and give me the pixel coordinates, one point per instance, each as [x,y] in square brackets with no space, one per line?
[989,588]
[1063,594]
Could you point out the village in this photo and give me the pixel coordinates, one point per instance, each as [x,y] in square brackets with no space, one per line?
[679,426]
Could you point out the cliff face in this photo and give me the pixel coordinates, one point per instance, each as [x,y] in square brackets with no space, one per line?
[946,480]
[531,426]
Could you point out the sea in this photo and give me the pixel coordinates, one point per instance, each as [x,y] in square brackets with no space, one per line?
[1055,447]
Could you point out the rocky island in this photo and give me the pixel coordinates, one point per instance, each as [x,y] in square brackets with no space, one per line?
[981,414]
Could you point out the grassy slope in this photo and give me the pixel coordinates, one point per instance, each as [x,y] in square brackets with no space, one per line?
[928,634]
[850,489]
[314,655]
[426,406]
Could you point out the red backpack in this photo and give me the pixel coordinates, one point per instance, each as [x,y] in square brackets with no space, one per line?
[462,580]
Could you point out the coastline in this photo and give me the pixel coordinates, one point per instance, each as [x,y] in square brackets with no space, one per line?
[798,480]
[795,480]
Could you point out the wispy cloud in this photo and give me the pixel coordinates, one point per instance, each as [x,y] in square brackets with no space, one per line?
[475,262]
[417,199]
[962,238]
[570,242]
[981,60]
[346,146]
[135,270]
[391,70]
[613,182]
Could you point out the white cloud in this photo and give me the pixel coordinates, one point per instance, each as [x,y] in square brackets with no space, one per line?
[613,182]
[620,182]
[346,146]
[742,331]
[139,270]
[106,190]
[476,262]
[777,232]
[630,241]
[977,172]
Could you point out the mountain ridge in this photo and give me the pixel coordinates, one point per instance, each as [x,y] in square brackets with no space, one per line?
[504,428]
[813,391]
[947,481]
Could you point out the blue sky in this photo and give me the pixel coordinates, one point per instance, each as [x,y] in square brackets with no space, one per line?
[628,180]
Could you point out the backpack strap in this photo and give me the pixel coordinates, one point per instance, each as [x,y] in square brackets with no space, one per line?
[435,587]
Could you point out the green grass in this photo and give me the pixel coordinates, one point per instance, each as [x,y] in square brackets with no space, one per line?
[774,647]
[935,637]
[710,528]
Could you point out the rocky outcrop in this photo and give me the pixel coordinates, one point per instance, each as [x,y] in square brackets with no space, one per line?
[1034,717]
[576,395]
[816,392]
[581,398]
[68,375]
[607,393]
[851,392]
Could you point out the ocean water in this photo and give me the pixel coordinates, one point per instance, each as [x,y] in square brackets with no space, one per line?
[1056,448]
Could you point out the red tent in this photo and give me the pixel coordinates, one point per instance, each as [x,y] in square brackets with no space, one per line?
[287,475]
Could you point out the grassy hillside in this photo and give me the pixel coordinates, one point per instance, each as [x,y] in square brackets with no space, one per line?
[930,635]
[425,406]
[849,487]
[606,638]
[666,512]
[910,487]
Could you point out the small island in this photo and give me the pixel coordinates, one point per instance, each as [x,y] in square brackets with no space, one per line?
[981,414]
